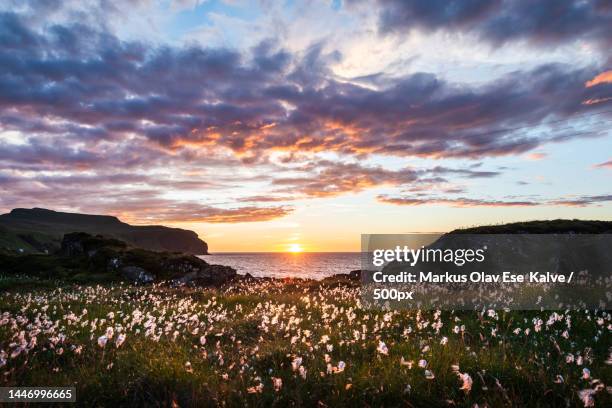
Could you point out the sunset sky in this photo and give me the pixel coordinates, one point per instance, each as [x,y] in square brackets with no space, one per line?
[262,125]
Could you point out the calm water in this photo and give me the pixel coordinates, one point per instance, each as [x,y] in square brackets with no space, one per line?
[314,265]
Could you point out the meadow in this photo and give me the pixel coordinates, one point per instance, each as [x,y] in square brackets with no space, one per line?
[296,343]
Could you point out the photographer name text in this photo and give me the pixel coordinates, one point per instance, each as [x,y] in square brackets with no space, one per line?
[473,277]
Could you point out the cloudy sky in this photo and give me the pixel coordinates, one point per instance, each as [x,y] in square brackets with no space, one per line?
[265,124]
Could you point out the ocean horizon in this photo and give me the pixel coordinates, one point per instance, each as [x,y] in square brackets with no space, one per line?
[311,265]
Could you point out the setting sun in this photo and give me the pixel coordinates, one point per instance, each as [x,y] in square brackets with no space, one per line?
[295,248]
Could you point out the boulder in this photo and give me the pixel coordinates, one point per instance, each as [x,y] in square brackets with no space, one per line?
[351,276]
[211,275]
[136,274]
[355,275]
[220,274]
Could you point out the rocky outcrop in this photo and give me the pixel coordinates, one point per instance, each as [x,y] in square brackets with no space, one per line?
[136,274]
[211,275]
[351,279]
[351,276]
[142,266]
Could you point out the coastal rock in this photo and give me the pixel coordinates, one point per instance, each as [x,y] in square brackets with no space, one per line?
[136,274]
[355,275]
[220,274]
[351,276]
[211,275]
[100,254]
[183,265]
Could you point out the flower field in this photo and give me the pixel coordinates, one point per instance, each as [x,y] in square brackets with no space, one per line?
[295,343]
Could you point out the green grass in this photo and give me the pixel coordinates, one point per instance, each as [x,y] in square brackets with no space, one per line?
[558,226]
[254,331]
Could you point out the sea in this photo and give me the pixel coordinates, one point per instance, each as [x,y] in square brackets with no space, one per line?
[311,265]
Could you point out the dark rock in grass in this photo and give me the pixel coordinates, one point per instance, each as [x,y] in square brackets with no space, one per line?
[351,276]
[352,279]
[220,274]
[136,274]
[210,275]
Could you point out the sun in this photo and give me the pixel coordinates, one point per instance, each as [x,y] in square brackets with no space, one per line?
[295,248]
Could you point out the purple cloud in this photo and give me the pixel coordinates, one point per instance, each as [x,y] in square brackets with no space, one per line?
[97,87]
[545,23]
[582,201]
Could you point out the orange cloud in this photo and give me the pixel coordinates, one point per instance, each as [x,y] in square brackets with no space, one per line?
[340,178]
[244,214]
[160,210]
[536,156]
[603,78]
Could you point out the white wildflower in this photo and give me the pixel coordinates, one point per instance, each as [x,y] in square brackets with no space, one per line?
[278,383]
[102,340]
[586,373]
[382,348]
[120,340]
[467,382]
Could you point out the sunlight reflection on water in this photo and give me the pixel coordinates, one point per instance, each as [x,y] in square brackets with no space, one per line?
[315,265]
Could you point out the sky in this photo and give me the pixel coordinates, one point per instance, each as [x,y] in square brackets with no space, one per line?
[271,125]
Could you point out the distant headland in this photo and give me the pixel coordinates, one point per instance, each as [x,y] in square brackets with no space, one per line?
[40,230]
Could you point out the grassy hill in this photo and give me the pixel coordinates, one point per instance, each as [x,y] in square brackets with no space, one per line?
[558,226]
[41,230]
